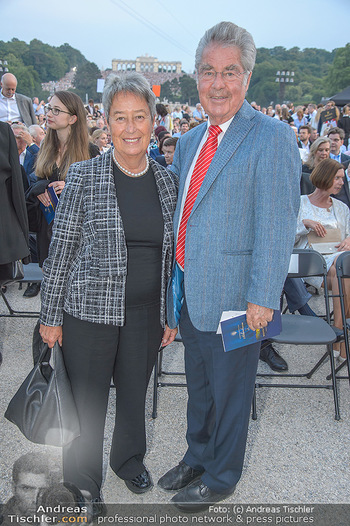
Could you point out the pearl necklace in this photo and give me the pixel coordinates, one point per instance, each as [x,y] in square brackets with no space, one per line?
[127,172]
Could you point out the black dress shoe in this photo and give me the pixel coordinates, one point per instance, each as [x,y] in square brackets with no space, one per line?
[32,290]
[270,356]
[179,477]
[197,497]
[141,483]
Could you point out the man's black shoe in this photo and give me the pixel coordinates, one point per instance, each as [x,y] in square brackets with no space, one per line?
[270,356]
[32,290]
[197,497]
[141,483]
[178,477]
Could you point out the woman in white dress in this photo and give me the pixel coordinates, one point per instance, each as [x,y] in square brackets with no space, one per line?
[320,212]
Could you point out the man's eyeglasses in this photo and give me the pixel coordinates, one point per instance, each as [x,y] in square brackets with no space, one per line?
[55,111]
[210,75]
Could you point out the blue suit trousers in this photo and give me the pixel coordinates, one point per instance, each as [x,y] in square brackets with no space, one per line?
[220,390]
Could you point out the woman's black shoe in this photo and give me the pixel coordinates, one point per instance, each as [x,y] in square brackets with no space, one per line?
[141,483]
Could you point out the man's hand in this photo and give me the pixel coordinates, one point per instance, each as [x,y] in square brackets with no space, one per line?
[258,316]
[168,336]
[51,335]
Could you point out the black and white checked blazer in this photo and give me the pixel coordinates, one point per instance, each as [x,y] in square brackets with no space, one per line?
[85,272]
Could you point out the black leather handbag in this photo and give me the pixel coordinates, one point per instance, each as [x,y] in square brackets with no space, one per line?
[12,271]
[43,408]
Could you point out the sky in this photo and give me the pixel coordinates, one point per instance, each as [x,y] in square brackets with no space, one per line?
[170,30]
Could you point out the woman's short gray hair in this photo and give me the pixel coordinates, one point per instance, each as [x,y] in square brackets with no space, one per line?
[227,34]
[130,82]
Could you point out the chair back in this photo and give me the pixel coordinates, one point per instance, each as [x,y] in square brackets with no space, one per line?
[310,263]
[342,265]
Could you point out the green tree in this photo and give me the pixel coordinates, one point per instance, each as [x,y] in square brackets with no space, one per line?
[189,92]
[85,81]
[339,73]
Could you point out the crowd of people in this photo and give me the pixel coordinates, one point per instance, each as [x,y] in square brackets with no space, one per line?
[128,176]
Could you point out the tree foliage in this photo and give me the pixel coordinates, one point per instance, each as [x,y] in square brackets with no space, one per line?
[318,73]
[85,81]
[339,73]
[37,62]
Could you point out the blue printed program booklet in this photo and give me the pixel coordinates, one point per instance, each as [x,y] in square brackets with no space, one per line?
[49,211]
[236,333]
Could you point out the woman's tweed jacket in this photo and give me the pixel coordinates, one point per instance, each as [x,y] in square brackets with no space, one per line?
[85,272]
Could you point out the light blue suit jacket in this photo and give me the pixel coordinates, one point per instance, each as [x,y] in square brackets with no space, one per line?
[241,231]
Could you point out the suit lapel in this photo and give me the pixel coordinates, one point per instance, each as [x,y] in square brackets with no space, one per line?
[236,133]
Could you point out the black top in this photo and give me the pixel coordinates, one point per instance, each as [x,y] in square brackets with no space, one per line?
[141,213]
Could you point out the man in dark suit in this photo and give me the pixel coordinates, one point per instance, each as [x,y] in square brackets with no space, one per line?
[15,107]
[336,136]
[234,188]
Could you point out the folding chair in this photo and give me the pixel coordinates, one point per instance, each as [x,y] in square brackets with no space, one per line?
[342,266]
[32,274]
[307,330]
[158,372]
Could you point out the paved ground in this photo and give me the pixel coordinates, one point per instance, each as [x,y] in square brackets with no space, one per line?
[296,451]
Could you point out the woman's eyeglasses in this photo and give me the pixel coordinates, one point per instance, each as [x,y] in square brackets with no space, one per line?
[55,111]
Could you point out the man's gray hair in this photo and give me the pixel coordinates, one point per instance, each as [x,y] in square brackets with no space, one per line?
[34,129]
[127,83]
[227,34]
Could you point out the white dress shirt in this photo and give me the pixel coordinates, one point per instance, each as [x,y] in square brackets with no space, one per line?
[9,109]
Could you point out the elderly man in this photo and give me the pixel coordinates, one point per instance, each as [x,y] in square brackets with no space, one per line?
[37,134]
[235,226]
[14,107]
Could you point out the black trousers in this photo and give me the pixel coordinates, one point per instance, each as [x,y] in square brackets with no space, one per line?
[220,389]
[93,354]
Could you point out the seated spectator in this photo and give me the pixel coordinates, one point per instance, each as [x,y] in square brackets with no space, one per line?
[299,118]
[100,123]
[177,113]
[37,134]
[320,213]
[163,118]
[313,135]
[319,150]
[186,112]
[38,106]
[99,137]
[184,128]
[304,137]
[27,150]
[167,147]
[198,114]
[336,136]
[285,116]
[176,123]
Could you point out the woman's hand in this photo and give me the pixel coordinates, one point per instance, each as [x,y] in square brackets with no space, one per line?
[58,186]
[44,198]
[51,335]
[168,336]
[343,245]
[317,227]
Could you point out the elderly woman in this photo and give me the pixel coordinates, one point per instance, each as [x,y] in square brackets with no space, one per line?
[103,293]
[319,212]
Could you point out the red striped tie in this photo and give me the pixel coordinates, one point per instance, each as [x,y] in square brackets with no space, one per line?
[201,167]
